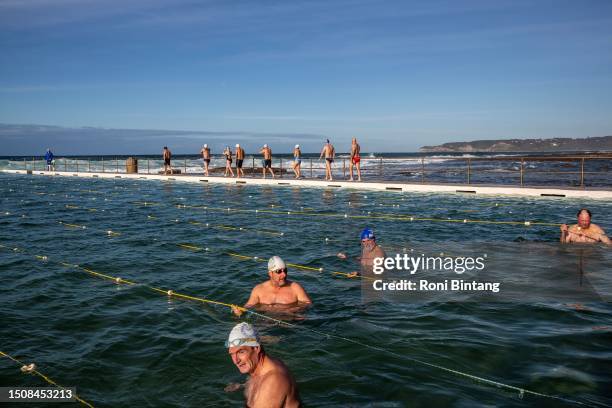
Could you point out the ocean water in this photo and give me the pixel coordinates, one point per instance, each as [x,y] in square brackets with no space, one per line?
[126,345]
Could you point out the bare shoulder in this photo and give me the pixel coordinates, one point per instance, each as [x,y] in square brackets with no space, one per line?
[597,228]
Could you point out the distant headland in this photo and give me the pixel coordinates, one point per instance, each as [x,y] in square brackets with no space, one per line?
[602,143]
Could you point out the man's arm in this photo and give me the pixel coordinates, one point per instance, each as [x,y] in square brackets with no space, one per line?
[272,391]
[253,300]
[301,294]
[564,234]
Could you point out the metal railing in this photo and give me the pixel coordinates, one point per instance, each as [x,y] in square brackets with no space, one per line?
[578,171]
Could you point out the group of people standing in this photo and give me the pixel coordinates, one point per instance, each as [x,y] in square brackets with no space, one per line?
[328,153]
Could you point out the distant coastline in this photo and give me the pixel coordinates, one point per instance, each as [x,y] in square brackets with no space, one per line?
[591,144]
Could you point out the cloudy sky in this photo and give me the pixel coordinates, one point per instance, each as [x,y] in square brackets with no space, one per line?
[395,74]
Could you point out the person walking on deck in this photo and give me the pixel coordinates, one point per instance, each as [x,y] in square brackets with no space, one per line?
[330,153]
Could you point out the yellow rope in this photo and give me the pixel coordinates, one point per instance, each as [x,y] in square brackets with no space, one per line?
[44,377]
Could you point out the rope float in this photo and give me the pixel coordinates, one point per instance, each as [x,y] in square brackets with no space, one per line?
[31,369]
[521,391]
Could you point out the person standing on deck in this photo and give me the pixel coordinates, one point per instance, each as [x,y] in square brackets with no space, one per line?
[239,160]
[355,160]
[267,160]
[49,159]
[167,156]
[205,152]
[228,161]
[297,161]
[329,152]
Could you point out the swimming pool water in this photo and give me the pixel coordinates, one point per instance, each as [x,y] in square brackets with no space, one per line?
[124,345]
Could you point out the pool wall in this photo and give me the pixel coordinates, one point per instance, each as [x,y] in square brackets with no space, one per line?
[596,194]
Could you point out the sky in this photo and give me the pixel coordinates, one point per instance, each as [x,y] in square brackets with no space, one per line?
[397,75]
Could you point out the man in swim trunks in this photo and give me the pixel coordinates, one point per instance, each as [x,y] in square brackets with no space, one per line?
[239,160]
[329,152]
[167,156]
[267,161]
[355,159]
[270,382]
[297,161]
[205,152]
[584,231]
[369,250]
[277,290]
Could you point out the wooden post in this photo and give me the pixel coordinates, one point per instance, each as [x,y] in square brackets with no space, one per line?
[25,164]
[582,172]
[117,164]
[65,165]
[102,164]
[77,165]
[522,171]
[344,168]
[253,172]
[281,167]
[311,167]
[380,170]
[148,168]
[89,165]
[185,165]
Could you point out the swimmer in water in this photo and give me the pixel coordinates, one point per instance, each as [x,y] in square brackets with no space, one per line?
[369,250]
[584,231]
[270,382]
[278,290]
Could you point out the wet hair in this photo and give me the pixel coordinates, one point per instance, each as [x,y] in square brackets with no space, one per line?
[584,209]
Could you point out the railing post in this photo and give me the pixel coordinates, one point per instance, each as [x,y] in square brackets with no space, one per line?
[102,164]
[582,172]
[522,171]
[89,165]
[281,167]
[148,168]
[65,165]
[469,170]
[77,165]
[311,167]
[380,170]
[253,172]
[344,168]
[422,170]
[116,164]
[25,164]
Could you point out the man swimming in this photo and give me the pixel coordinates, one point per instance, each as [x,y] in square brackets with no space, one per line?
[270,382]
[329,152]
[369,250]
[584,231]
[278,290]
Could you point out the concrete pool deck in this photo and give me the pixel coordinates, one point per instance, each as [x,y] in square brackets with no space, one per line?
[501,190]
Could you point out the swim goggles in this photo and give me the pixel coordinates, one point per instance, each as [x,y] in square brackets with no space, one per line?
[240,342]
[279,271]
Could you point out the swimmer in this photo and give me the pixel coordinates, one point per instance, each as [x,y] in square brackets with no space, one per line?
[205,152]
[167,156]
[584,231]
[239,160]
[369,250]
[297,161]
[267,160]
[278,290]
[228,161]
[329,152]
[270,382]
[355,160]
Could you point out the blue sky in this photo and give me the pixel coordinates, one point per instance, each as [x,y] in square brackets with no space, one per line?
[398,75]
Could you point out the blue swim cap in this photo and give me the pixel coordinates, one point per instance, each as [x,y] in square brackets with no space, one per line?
[367,234]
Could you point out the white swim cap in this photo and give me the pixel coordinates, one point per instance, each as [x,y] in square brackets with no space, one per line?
[275,263]
[265,145]
[237,145]
[243,334]
[297,146]
[205,146]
